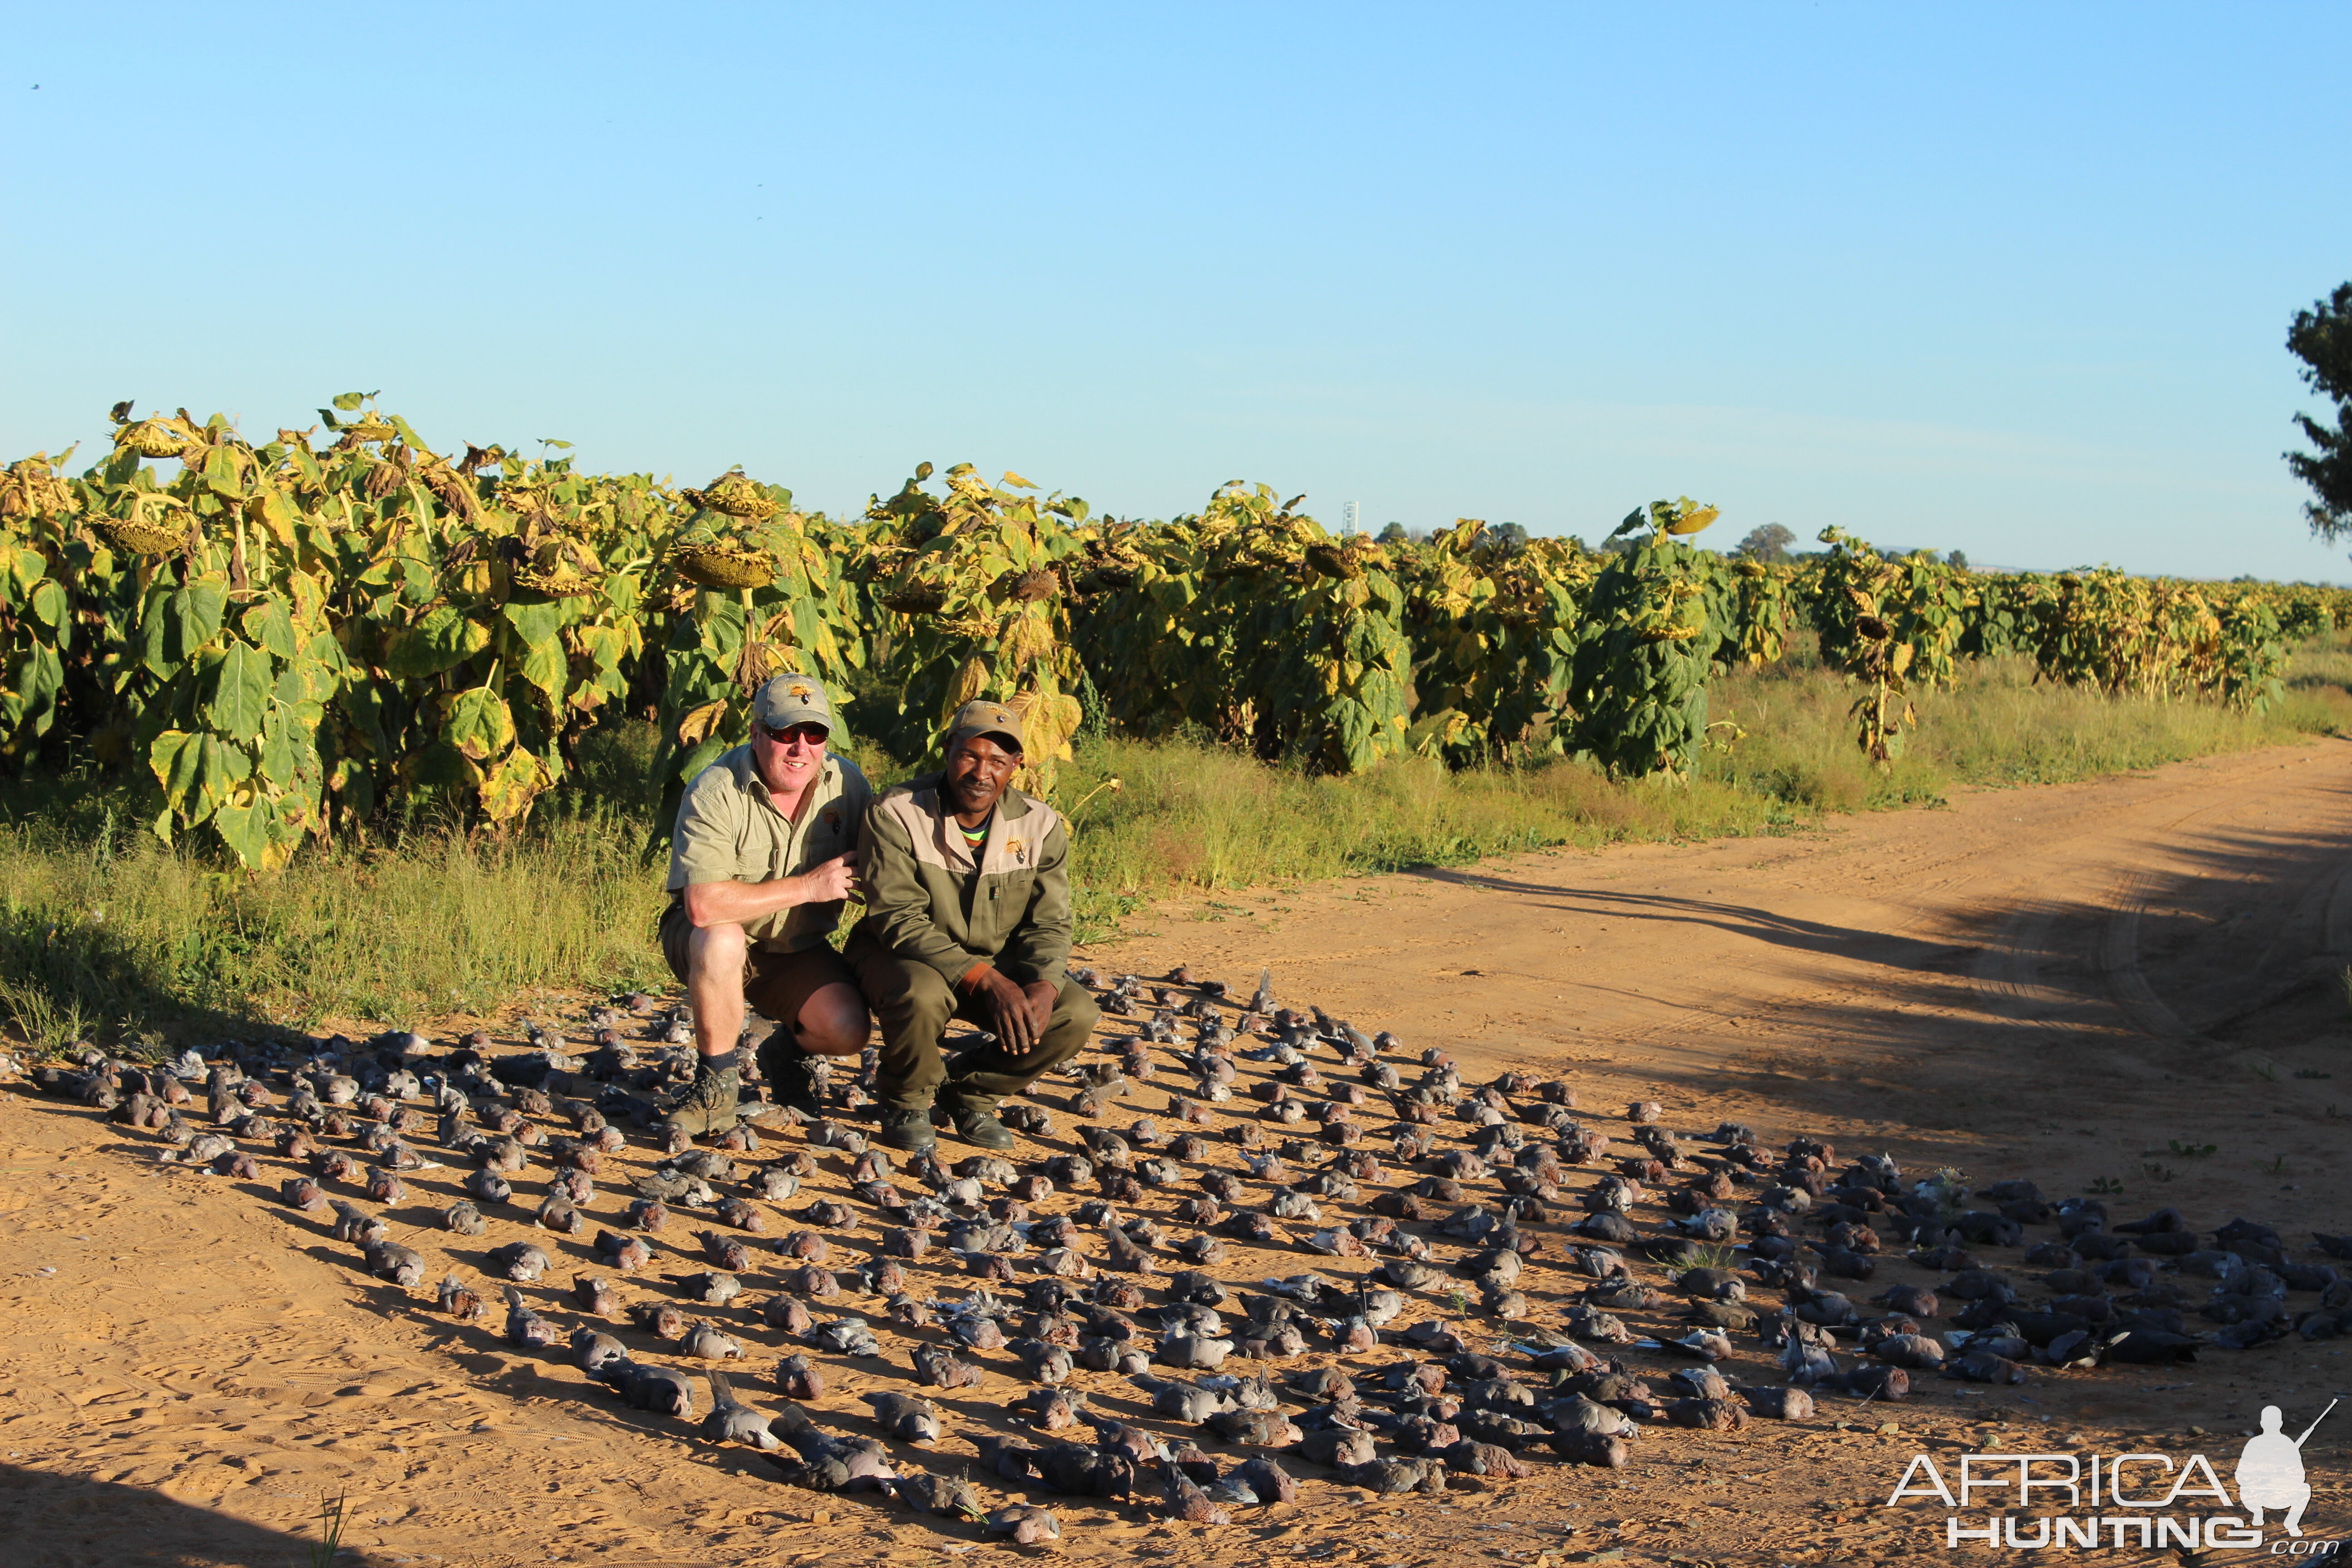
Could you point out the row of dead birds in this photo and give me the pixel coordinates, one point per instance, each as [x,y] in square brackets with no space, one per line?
[1927,1216]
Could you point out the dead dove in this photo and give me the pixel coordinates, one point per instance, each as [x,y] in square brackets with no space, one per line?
[660,1319]
[1025,1524]
[458,1302]
[1255,1428]
[661,1389]
[1050,1409]
[1265,1477]
[1185,1401]
[904,1417]
[943,1497]
[518,1262]
[626,1253]
[711,1288]
[704,1343]
[1183,1500]
[386,1261]
[525,1327]
[798,1378]
[733,1421]
[591,1349]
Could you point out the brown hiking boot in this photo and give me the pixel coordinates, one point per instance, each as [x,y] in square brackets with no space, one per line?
[710,1105]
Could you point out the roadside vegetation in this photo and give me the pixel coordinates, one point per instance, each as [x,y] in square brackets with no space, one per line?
[109,933]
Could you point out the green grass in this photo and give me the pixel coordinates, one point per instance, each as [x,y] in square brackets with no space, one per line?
[106,933]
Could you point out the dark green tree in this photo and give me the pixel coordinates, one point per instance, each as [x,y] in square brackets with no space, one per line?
[1394,533]
[1768,544]
[1510,535]
[2322,338]
[1957,560]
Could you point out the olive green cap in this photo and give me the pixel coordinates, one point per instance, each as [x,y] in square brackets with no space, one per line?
[788,700]
[982,717]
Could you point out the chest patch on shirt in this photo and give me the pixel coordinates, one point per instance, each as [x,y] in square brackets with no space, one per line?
[1017,851]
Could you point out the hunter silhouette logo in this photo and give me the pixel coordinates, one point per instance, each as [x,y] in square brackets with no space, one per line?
[2270,1471]
[2149,1500]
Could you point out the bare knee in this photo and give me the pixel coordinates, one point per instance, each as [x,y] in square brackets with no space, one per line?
[832,1022]
[714,951]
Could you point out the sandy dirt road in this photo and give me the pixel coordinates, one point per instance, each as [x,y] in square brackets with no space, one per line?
[2092,983]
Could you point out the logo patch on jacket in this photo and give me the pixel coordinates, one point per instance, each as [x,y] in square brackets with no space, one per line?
[1017,850]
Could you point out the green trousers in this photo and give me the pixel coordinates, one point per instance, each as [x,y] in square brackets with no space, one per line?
[913,1003]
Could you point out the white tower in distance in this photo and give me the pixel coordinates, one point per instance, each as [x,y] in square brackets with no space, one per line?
[1348,513]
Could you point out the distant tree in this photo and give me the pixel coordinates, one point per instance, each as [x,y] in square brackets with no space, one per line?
[1958,559]
[1394,533]
[1510,536]
[2322,338]
[1769,544]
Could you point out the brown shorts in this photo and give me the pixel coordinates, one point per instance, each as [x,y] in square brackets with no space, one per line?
[776,985]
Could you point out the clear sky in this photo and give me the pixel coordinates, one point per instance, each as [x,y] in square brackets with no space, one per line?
[2014,279]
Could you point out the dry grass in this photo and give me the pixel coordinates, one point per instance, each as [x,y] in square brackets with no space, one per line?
[106,932]
[2000,727]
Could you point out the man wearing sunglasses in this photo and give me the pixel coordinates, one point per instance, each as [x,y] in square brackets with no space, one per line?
[762,856]
[968,901]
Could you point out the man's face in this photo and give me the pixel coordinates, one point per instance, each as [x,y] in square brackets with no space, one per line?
[787,759]
[979,767]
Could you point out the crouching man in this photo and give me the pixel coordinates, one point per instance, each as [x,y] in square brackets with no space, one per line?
[967,888]
[762,856]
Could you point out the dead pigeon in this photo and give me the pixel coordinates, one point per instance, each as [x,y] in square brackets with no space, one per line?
[458,1302]
[733,1421]
[906,1418]
[704,1343]
[1183,1500]
[661,1389]
[525,1327]
[798,1378]
[518,1262]
[386,1261]
[943,1497]
[1185,1401]
[591,1349]
[660,1319]
[1025,1524]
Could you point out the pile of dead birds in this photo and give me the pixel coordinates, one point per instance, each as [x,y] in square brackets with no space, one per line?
[1220,1277]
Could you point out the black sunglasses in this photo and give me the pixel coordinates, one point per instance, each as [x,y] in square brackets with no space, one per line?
[807,735]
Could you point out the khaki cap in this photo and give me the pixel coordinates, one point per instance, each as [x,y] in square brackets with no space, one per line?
[788,700]
[982,717]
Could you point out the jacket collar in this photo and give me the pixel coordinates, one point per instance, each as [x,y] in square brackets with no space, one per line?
[1011,806]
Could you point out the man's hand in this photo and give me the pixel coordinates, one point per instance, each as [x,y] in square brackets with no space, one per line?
[1018,1013]
[739,903]
[828,881]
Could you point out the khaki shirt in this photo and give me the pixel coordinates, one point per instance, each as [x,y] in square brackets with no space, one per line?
[728,831]
[928,898]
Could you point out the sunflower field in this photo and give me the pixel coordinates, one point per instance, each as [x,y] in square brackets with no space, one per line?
[289,638]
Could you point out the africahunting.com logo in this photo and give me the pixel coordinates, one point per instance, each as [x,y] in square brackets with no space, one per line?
[2023,1502]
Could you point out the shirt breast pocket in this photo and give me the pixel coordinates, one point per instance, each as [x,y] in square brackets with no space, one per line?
[1009,897]
[823,843]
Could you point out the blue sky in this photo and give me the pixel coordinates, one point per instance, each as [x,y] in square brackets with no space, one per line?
[2012,280]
